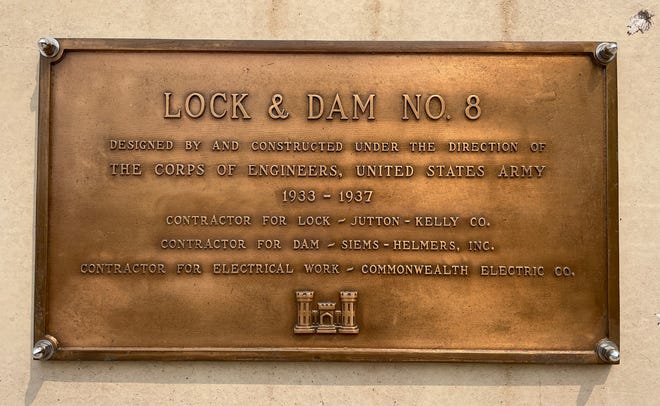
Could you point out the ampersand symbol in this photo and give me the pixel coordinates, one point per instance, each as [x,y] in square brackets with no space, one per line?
[274,110]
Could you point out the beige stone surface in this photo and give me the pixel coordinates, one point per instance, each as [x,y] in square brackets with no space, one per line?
[635,381]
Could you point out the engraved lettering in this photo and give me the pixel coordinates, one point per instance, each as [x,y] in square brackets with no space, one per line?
[563,271]
[203,244]
[212,220]
[274,111]
[424,245]
[376,221]
[269,244]
[273,220]
[455,171]
[225,169]
[168,111]
[214,113]
[322,268]
[297,146]
[415,269]
[337,108]
[456,146]
[201,105]
[521,171]
[188,269]
[314,106]
[323,221]
[368,146]
[537,146]
[225,145]
[355,196]
[179,169]
[300,196]
[473,111]
[192,145]
[306,244]
[407,102]
[140,145]
[479,246]
[479,222]
[125,169]
[195,105]
[434,221]
[422,146]
[384,171]
[427,107]
[512,270]
[95,268]
[237,104]
[359,245]
[253,269]
[294,170]
[358,104]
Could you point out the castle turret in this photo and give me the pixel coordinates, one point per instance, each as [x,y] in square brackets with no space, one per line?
[348,312]
[304,323]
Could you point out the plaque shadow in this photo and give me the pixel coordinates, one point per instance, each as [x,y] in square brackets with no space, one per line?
[321,374]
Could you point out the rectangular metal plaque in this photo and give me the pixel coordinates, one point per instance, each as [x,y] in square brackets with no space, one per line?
[327,200]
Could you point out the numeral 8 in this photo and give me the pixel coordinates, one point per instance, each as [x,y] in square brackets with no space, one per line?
[473,106]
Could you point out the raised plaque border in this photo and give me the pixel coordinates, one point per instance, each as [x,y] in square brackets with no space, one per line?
[325,354]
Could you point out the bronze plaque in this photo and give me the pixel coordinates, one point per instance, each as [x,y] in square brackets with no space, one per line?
[327,200]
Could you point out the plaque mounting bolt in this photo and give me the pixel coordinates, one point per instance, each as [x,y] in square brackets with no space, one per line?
[608,351]
[44,348]
[606,52]
[48,47]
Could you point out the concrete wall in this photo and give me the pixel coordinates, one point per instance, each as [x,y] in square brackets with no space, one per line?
[635,381]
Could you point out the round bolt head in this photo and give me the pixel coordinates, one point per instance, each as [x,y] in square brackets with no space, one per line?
[606,52]
[38,352]
[48,47]
[608,351]
[613,355]
[43,350]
